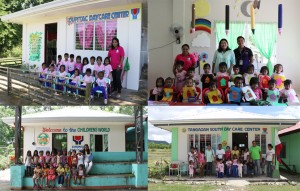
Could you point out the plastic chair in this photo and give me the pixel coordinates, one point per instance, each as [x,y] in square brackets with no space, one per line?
[184,168]
[99,92]
[175,165]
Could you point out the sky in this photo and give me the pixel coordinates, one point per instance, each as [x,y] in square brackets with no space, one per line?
[165,112]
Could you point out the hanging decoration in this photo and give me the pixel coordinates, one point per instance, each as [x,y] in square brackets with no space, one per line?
[202,8]
[280,18]
[227,19]
[252,19]
[256,4]
[202,25]
[244,8]
[193,19]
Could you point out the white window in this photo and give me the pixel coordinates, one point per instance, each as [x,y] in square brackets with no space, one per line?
[261,141]
[201,141]
[95,35]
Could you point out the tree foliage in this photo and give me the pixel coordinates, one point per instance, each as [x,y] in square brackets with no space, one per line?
[11,34]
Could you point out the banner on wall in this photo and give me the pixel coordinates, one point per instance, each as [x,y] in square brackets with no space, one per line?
[245,129]
[132,14]
[35,43]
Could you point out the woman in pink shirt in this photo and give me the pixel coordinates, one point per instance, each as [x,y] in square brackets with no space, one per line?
[116,55]
[188,59]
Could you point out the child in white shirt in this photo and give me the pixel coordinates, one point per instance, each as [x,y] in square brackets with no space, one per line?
[61,77]
[288,94]
[101,85]
[88,78]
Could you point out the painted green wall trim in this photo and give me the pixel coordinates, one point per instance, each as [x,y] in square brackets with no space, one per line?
[174,144]
[224,137]
[292,143]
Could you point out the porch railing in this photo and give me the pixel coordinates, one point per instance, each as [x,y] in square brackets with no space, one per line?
[28,85]
[11,62]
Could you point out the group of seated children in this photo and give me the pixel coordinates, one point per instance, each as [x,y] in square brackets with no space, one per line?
[61,166]
[77,74]
[185,88]
[223,87]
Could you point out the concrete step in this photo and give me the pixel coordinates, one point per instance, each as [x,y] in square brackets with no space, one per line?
[111,168]
[108,181]
[111,157]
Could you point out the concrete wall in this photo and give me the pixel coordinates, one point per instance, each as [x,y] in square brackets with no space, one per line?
[292,149]
[116,137]
[168,12]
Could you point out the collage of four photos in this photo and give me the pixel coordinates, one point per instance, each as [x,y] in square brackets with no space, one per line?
[149,95]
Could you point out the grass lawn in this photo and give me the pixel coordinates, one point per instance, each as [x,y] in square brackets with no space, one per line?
[159,155]
[175,187]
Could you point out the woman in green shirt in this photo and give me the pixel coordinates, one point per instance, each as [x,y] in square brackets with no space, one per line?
[223,54]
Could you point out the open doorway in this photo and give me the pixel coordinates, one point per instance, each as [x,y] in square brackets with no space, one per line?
[240,140]
[99,143]
[50,42]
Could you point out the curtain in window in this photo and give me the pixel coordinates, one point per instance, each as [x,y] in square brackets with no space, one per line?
[80,31]
[111,32]
[100,33]
[236,29]
[89,34]
[265,38]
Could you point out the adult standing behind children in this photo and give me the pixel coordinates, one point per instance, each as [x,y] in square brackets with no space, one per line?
[188,59]
[209,155]
[223,54]
[243,55]
[255,155]
[88,157]
[116,55]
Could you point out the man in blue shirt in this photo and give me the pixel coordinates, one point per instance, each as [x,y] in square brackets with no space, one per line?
[243,55]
